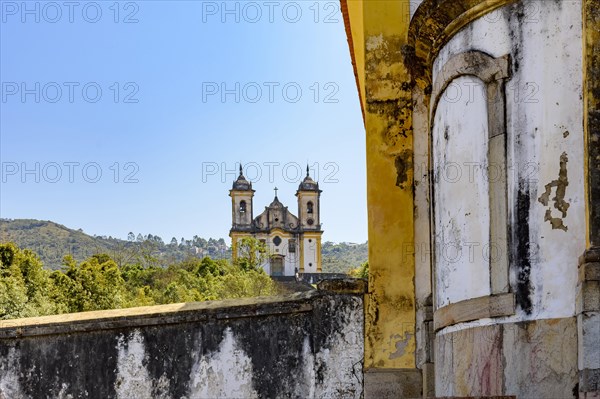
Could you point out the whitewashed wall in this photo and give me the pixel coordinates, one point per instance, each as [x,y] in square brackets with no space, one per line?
[462,211]
[544,127]
[310,255]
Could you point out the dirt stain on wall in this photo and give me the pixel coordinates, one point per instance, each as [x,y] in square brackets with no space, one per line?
[560,185]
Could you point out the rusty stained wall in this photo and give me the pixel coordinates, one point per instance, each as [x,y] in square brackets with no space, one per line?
[309,347]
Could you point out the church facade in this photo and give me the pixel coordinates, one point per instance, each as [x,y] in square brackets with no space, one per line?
[293,242]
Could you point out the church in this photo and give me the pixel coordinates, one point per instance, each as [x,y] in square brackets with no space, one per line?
[293,242]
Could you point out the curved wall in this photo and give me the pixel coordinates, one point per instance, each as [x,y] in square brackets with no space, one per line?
[532,352]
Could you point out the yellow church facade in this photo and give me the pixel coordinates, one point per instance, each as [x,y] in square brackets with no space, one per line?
[293,242]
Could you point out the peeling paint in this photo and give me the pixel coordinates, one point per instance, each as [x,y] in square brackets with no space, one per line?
[224,373]
[540,267]
[9,380]
[401,345]
[133,379]
[559,199]
[340,362]
[375,42]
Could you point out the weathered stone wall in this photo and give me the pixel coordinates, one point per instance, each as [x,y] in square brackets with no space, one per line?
[299,346]
[532,359]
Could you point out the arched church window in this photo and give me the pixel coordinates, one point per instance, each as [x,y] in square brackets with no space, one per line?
[309,207]
[470,133]
[243,207]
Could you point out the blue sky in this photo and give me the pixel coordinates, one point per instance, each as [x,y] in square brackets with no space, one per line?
[132,116]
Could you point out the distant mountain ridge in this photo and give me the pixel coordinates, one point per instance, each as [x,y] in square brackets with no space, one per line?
[52,241]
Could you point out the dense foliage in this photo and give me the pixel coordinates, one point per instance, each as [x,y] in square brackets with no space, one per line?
[51,241]
[28,289]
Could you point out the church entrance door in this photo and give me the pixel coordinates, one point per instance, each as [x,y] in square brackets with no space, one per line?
[277,266]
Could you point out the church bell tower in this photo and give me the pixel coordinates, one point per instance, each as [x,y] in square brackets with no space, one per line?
[241,204]
[309,217]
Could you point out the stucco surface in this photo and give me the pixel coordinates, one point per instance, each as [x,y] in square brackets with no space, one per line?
[545,149]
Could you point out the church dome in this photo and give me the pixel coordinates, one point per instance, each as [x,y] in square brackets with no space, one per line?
[241,183]
[308,184]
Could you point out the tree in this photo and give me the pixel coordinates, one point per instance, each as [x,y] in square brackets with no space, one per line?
[174,241]
[27,289]
[95,284]
[208,265]
[362,271]
[130,236]
[24,284]
[251,252]
[147,254]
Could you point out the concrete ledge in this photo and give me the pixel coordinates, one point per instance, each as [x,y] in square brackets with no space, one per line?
[392,383]
[343,286]
[158,315]
[474,309]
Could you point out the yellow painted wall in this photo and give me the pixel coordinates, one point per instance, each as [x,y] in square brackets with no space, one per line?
[379,30]
[355,13]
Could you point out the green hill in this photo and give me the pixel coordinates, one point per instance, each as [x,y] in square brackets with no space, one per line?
[52,241]
[343,257]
